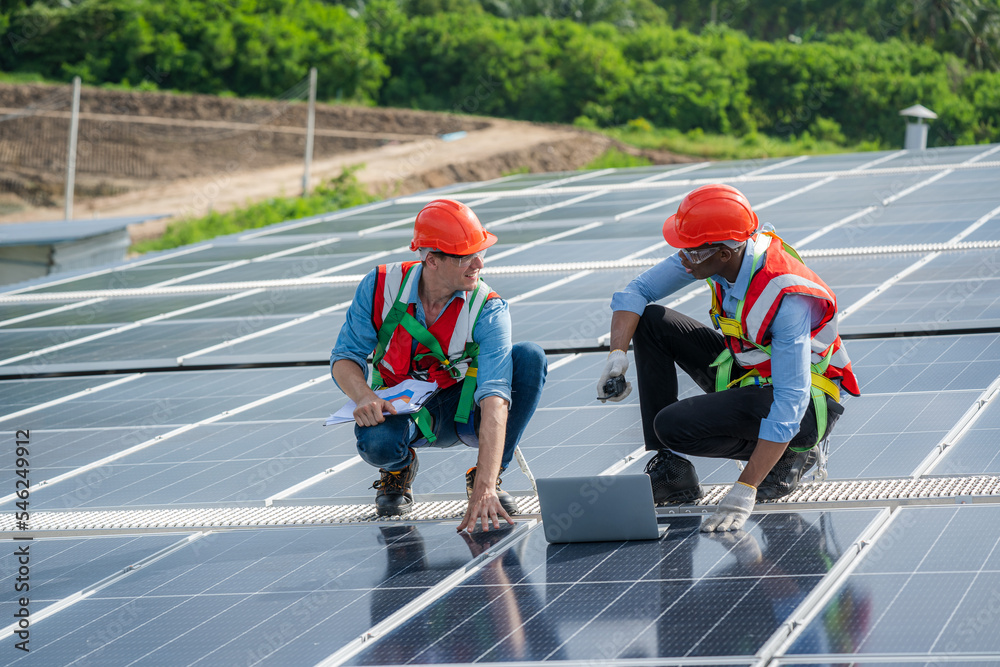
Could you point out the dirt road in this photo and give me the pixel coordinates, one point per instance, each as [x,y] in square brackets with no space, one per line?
[390,170]
[182,155]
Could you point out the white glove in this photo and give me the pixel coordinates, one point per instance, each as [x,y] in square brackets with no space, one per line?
[617,365]
[733,509]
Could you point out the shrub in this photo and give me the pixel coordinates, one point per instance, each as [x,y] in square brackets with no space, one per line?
[616,159]
[639,125]
[343,191]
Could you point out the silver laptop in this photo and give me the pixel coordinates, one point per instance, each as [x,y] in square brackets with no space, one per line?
[605,508]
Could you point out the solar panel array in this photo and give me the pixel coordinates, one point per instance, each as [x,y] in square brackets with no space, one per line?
[195,380]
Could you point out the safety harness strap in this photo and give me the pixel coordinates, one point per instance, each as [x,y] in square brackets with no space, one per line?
[400,316]
[466,401]
[820,386]
[467,398]
[422,418]
[734,326]
[388,328]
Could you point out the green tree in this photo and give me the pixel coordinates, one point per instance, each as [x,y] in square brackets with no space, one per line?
[621,13]
[975,27]
[250,47]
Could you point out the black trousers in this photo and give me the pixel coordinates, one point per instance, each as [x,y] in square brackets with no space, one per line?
[717,424]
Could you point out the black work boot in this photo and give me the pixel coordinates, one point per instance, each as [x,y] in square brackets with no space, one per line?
[786,473]
[674,478]
[506,500]
[395,492]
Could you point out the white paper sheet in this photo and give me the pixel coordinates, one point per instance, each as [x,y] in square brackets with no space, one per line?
[407,397]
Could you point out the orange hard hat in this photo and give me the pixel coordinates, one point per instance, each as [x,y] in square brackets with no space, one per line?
[710,214]
[451,227]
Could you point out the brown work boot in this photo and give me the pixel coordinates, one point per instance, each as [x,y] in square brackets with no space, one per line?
[506,500]
[395,493]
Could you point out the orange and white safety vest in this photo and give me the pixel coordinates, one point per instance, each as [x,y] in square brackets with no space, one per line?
[445,352]
[778,271]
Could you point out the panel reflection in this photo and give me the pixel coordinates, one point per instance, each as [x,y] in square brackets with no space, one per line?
[930,586]
[689,594]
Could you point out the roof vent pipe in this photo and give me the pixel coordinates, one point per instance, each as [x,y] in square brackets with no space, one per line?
[916,132]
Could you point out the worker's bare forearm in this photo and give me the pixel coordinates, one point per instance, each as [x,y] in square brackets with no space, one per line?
[351,379]
[492,433]
[623,325]
[764,456]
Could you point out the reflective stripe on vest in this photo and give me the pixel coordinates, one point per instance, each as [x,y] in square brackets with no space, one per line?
[455,324]
[776,275]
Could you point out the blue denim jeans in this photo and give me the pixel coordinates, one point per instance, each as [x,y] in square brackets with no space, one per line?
[386,445]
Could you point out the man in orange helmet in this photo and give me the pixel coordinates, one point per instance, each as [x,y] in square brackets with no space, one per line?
[773,370]
[435,320]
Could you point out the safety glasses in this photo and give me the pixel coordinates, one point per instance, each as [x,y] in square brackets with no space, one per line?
[465,260]
[699,255]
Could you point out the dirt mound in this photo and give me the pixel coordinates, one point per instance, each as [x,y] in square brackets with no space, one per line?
[290,112]
[157,153]
[130,140]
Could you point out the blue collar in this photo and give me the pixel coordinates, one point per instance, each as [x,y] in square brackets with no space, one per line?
[743,277]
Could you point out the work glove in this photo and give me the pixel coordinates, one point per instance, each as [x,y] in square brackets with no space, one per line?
[616,366]
[733,509]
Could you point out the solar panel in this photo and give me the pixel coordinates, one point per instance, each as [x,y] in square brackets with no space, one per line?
[276,269]
[644,174]
[235,444]
[106,311]
[59,452]
[64,566]
[354,223]
[220,250]
[299,301]
[908,404]
[988,232]
[845,161]
[925,586]
[687,595]
[126,278]
[965,193]
[11,312]
[158,343]
[16,395]
[161,398]
[975,453]
[311,340]
[18,342]
[934,305]
[580,251]
[279,596]
[215,464]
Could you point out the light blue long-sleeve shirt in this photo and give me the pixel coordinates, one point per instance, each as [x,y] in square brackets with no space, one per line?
[358,337]
[790,335]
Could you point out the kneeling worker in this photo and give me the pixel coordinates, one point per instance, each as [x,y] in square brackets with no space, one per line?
[435,320]
[773,375]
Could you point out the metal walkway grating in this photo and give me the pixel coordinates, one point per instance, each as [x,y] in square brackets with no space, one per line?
[860,493]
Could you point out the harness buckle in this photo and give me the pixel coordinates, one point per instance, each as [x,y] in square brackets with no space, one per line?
[729,326]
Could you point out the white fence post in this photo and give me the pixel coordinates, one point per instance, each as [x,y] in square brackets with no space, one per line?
[74,123]
[310,129]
